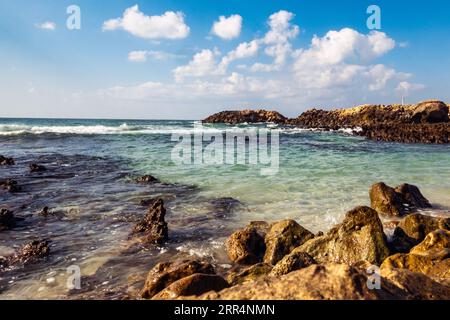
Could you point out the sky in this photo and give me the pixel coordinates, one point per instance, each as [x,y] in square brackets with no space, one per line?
[186,59]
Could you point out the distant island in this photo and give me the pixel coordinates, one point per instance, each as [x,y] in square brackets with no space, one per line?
[425,122]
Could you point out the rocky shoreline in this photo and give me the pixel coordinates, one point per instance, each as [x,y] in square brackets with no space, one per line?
[426,122]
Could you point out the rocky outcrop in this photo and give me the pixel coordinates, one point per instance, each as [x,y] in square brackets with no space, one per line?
[292,262]
[432,111]
[246,246]
[316,282]
[10,185]
[146,179]
[36,168]
[193,285]
[163,275]
[359,237]
[397,201]
[153,228]
[30,253]
[4,161]
[248,274]
[283,237]
[246,116]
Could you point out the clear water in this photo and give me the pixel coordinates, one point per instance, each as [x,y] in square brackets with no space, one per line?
[88,186]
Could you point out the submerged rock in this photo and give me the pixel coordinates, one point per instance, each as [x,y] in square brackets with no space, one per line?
[246,116]
[432,111]
[292,262]
[164,274]
[193,285]
[7,219]
[147,179]
[30,253]
[283,237]
[37,168]
[245,246]
[10,185]
[396,201]
[359,237]
[147,202]
[4,161]
[153,226]
[251,273]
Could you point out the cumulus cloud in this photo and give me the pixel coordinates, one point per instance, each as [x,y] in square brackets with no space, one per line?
[227,28]
[169,25]
[202,63]
[405,87]
[47,25]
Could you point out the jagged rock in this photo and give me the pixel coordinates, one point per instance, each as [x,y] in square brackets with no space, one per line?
[30,253]
[153,225]
[282,238]
[7,220]
[359,237]
[193,285]
[432,111]
[4,161]
[396,201]
[37,168]
[435,245]
[245,246]
[416,286]
[246,116]
[316,282]
[10,185]
[413,228]
[251,273]
[147,179]
[291,262]
[164,274]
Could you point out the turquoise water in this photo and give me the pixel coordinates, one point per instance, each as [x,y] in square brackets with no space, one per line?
[321,176]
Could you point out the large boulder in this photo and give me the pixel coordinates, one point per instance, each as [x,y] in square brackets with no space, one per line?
[435,245]
[164,274]
[316,282]
[246,246]
[432,111]
[283,237]
[153,227]
[193,285]
[292,262]
[359,237]
[251,273]
[398,201]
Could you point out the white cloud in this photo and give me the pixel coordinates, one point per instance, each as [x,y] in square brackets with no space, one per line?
[227,28]
[281,29]
[242,51]
[405,87]
[170,25]
[142,55]
[47,25]
[202,63]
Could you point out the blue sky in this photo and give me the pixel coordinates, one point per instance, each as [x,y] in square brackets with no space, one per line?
[165,60]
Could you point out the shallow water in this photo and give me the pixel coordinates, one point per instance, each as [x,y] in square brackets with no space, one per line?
[89,188]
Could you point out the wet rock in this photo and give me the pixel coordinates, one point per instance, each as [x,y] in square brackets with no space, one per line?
[193,285]
[4,161]
[147,179]
[222,207]
[246,116]
[432,111]
[435,245]
[282,238]
[164,274]
[413,228]
[153,226]
[10,185]
[416,286]
[44,212]
[359,237]
[147,202]
[31,253]
[37,168]
[292,262]
[316,282]
[251,273]
[245,246]
[7,220]
[398,201]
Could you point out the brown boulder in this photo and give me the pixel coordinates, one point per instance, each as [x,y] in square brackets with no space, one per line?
[153,225]
[251,273]
[359,237]
[412,196]
[430,112]
[193,285]
[282,238]
[30,253]
[245,246]
[316,282]
[164,274]
[435,245]
[291,262]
